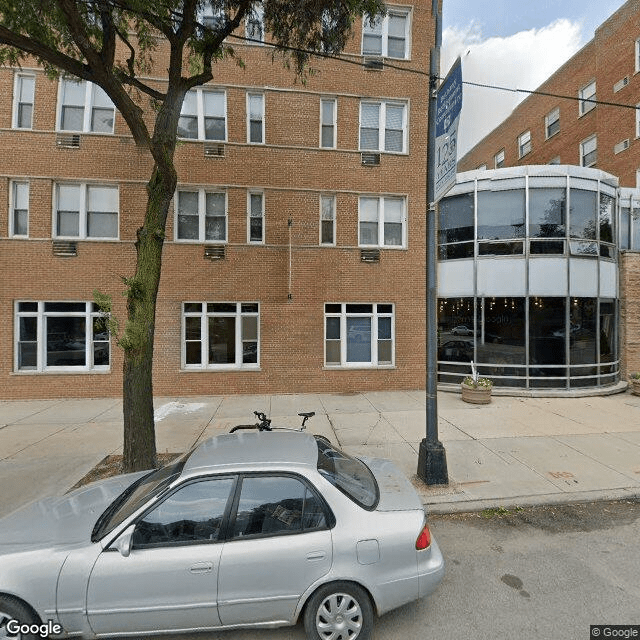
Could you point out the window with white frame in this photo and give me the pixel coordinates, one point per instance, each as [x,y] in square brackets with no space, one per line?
[498,159]
[387,36]
[637,55]
[201,215]
[255,217]
[23,99]
[358,335]
[85,107]
[589,152]
[203,115]
[85,211]
[552,122]
[19,210]
[328,109]
[524,144]
[638,120]
[587,97]
[382,221]
[255,118]
[220,335]
[383,126]
[61,336]
[327,219]
[254,24]
[210,16]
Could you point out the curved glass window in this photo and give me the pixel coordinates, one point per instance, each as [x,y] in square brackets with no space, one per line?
[547,213]
[501,214]
[582,214]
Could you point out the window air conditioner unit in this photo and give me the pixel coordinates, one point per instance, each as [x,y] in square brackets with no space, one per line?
[214,150]
[370,255]
[65,248]
[215,252]
[621,146]
[370,159]
[68,140]
[620,84]
[373,64]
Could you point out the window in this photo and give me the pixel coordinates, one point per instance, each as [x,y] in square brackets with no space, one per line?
[524,144]
[85,211]
[19,210]
[589,152]
[328,220]
[56,336]
[638,120]
[191,515]
[555,160]
[499,159]
[220,335]
[383,126]
[23,98]
[359,335]
[255,215]
[637,55]
[382,222]
[587,97]
[387,36]
[85,107]
[273,505]
[254,24]
[201,216]
[328,123]
[203,115]
[552,122]
[255,118]
[210,16]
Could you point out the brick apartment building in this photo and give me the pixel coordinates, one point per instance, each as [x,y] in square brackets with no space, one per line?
[545,129]
[294,259]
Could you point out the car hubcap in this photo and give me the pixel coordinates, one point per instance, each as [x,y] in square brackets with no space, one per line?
[339,617]
[4,620]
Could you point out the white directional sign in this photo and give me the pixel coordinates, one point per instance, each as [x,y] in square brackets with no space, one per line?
[448,107]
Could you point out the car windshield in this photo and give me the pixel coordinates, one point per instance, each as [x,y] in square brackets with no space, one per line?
[134,496]
[349,475]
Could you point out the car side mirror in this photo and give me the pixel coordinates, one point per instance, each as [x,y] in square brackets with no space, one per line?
[124,542]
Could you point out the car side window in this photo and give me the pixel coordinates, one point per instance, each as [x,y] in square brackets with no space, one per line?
[192,514]
[271,505]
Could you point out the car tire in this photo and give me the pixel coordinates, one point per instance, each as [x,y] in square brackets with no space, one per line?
[339,610]
[14,609]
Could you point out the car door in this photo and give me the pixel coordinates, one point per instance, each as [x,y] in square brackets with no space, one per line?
[169,579]
[279,543]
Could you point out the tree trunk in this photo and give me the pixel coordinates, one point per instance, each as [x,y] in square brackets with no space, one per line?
[137,341]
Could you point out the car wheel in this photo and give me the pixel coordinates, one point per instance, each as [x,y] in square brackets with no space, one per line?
[339,611]
[12,609]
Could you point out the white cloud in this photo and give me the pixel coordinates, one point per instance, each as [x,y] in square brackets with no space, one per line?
[523,61]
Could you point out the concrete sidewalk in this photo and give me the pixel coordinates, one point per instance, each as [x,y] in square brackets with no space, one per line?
[515,451]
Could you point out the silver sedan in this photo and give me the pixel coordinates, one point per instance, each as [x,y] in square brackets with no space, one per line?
[246,530]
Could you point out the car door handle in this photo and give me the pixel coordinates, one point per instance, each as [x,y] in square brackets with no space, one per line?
[201,567]
[316,555]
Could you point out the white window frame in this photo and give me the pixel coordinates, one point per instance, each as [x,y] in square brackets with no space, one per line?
[549,120]
[201,115]
[382,122]
[89,314]
[638,120]
[249,216]
[262,101]
[524,144]
[210,17]
[17,102]
[255,16]
[498,159]
[384,33]
[82,211]
[204,314]
[382,200]
[202,216]
[330,199]
[325,125]
[13,186]
[637,51]
[584,153]
[584,94]
[88,106]
[375,315]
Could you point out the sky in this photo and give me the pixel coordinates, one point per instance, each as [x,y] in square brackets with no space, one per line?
[510,43]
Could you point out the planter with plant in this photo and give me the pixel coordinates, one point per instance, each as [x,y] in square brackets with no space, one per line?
[475,389]
[634,379]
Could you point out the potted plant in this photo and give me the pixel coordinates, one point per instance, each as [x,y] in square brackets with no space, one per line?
[475,389]
[634,379]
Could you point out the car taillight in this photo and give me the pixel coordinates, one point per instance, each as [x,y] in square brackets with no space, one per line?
[424,539]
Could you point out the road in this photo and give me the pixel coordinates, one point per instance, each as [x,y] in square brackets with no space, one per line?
[543,573]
